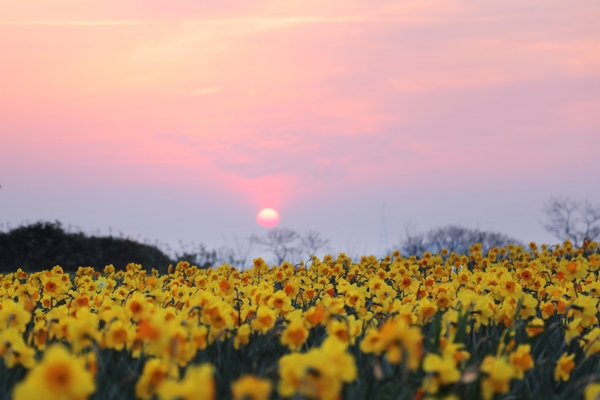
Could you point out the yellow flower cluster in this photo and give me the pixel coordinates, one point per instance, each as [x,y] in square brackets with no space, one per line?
[429,317]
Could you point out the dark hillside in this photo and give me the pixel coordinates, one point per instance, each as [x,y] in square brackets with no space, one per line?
[43,245]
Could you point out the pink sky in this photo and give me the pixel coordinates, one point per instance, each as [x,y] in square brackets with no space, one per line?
[179,120]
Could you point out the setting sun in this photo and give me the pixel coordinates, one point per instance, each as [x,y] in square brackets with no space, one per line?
[267,218]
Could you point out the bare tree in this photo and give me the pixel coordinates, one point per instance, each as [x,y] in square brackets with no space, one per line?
[452,237]
[196,254]
[458,239]
[573,220]
[281,242]
[288,245]
[351,248]
[312,242]
[237,255]
[455,238]
[414,242]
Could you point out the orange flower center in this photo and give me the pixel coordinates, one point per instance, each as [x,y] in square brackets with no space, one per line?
[50,286]
[156,377]
[59,377]
[296,336]
[119,335]
[135,307]
[266,320]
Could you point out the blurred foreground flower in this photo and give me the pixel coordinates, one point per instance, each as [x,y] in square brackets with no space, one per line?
[59,375]
[250,387]
[318,374]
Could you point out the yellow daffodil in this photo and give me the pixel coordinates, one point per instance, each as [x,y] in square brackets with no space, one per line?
[265,319]
[498,374]
[249,387]
[441,371]
[295,334]
[14,350]
[592,391]
[197,384]
[58,376]
[564,366]
[13,315]
[521,360]
[154,375]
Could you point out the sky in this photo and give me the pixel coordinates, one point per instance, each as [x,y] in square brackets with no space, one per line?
[178,120]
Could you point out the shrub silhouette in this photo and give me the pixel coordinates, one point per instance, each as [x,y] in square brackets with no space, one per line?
[42,245]
[454,238]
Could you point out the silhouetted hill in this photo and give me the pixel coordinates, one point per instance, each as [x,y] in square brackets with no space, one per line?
[43,245]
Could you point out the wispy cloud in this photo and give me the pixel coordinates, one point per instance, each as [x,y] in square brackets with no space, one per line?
[71,23]
[258,21]
[201,92]
[270,21]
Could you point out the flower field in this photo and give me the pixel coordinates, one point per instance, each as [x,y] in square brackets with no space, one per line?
[511,323]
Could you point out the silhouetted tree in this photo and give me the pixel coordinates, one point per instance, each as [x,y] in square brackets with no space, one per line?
[237,255]
[573,220]
[288,245]
[454,238]
[311,242]
[198,255]
[414,243]
[280,242]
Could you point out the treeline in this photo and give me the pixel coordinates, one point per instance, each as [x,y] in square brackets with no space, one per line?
[42,245]
[455,239]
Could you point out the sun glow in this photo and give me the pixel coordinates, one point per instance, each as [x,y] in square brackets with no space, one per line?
[267,218]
